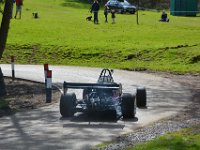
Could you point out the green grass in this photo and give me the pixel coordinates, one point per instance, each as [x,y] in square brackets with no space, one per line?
[62,36]
[102,145]
[186,139]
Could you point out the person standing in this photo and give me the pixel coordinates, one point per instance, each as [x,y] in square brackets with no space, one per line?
[19,4]
[113,16]
[95,9]
[106,12]
[13,1]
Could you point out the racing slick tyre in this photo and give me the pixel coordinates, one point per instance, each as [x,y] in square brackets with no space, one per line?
[128,105]
[141,98]
[67,105]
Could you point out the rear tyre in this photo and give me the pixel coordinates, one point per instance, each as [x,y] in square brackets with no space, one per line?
[67,105]
[128,105]
[141,99]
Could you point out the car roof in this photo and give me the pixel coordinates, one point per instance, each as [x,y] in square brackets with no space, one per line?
[119,1]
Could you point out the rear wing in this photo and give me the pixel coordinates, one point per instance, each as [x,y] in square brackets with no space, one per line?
[72,85]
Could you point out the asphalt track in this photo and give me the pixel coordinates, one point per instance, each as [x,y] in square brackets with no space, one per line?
[44,128]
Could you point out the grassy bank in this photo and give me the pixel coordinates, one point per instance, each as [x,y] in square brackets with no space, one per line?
[62,36]
[186,139]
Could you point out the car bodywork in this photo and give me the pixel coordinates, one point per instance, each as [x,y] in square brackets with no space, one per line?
[105,96]
[121,6]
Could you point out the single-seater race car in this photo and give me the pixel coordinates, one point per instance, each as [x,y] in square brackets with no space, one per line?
[105,96]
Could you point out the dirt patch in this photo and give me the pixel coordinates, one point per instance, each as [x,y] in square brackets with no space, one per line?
[25,95]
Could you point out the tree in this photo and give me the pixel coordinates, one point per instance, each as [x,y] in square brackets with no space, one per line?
[2,85]
[3,37]
[5,25]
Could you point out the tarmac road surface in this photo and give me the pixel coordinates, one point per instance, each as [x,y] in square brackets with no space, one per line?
[44,128]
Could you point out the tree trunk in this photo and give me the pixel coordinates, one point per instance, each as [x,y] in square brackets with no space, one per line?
[5,25]
[3,38]
[2,85]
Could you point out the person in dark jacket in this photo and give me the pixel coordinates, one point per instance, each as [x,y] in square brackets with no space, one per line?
[95,9]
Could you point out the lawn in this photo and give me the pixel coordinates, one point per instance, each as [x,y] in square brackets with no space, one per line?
[62,36]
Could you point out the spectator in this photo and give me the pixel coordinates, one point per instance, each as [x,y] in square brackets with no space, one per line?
[95,9]
[106,12]
[113,16]
[19,4]
[164,17]
[13,1]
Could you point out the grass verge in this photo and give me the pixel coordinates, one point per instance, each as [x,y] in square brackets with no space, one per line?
[185,139]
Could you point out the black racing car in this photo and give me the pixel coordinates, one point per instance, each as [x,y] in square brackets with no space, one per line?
[121,6]
[104,96]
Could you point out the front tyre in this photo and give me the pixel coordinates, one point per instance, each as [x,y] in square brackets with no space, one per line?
[141,98]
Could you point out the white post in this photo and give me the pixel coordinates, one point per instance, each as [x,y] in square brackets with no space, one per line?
[49,87]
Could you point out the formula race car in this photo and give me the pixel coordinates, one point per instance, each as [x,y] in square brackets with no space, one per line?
[105,96]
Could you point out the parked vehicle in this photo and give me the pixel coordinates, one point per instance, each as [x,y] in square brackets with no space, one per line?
[121,6]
